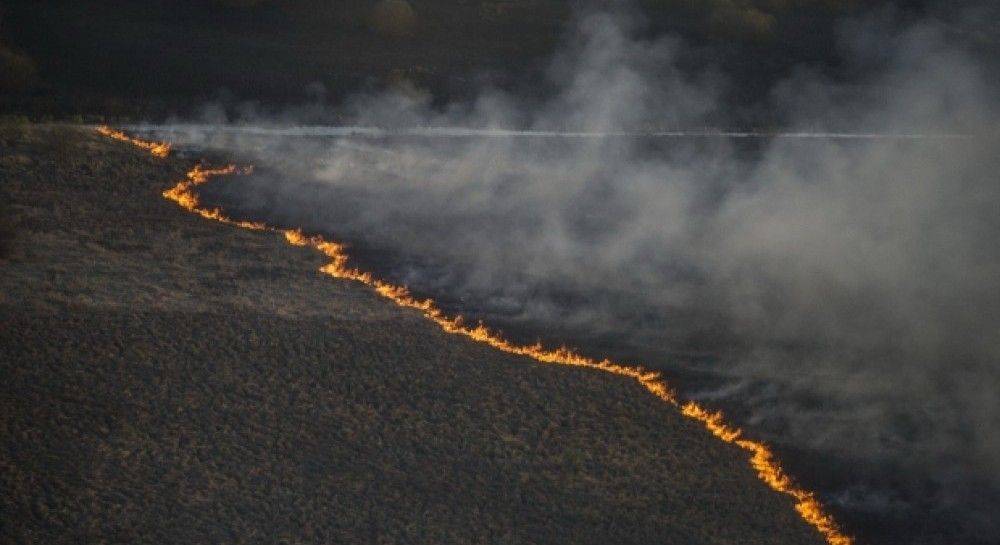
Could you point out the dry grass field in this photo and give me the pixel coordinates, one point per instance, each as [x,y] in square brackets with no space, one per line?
[166,379]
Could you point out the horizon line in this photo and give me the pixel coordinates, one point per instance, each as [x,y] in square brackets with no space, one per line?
[442,131]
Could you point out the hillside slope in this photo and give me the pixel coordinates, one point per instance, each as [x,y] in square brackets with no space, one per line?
[169,379]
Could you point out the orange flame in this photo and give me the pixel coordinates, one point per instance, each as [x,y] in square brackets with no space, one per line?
[158,149]
[762,458]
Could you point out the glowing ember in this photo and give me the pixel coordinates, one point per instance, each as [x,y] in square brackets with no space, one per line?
[762,459]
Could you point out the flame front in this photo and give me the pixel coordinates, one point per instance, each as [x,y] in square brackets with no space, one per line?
[158,149]
[762,458]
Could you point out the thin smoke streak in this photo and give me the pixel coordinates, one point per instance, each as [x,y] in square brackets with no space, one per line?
[459,132]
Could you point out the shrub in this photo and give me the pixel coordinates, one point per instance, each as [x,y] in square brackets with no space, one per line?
[6,230]
[17,71]
[742,23]
[394,18]
[241,3]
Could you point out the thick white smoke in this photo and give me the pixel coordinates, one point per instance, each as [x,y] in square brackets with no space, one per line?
[848,288]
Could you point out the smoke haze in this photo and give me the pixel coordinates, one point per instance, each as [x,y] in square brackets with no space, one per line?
[842,296]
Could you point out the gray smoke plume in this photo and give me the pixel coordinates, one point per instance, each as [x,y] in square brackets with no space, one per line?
[844,293]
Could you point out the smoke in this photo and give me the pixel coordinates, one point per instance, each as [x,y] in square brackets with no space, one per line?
[843,293]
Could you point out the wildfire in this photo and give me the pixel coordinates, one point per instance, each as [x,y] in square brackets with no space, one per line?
[183,195]
[158,149]
[762,458]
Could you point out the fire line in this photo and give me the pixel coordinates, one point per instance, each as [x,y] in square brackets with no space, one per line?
[158,149]
[762,458]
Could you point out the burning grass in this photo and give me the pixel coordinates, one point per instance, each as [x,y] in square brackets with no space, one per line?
[174,380]
[762,459]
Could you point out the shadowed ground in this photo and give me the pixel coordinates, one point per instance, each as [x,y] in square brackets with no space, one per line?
[171,380]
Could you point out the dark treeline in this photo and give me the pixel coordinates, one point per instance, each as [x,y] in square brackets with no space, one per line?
[128,60]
